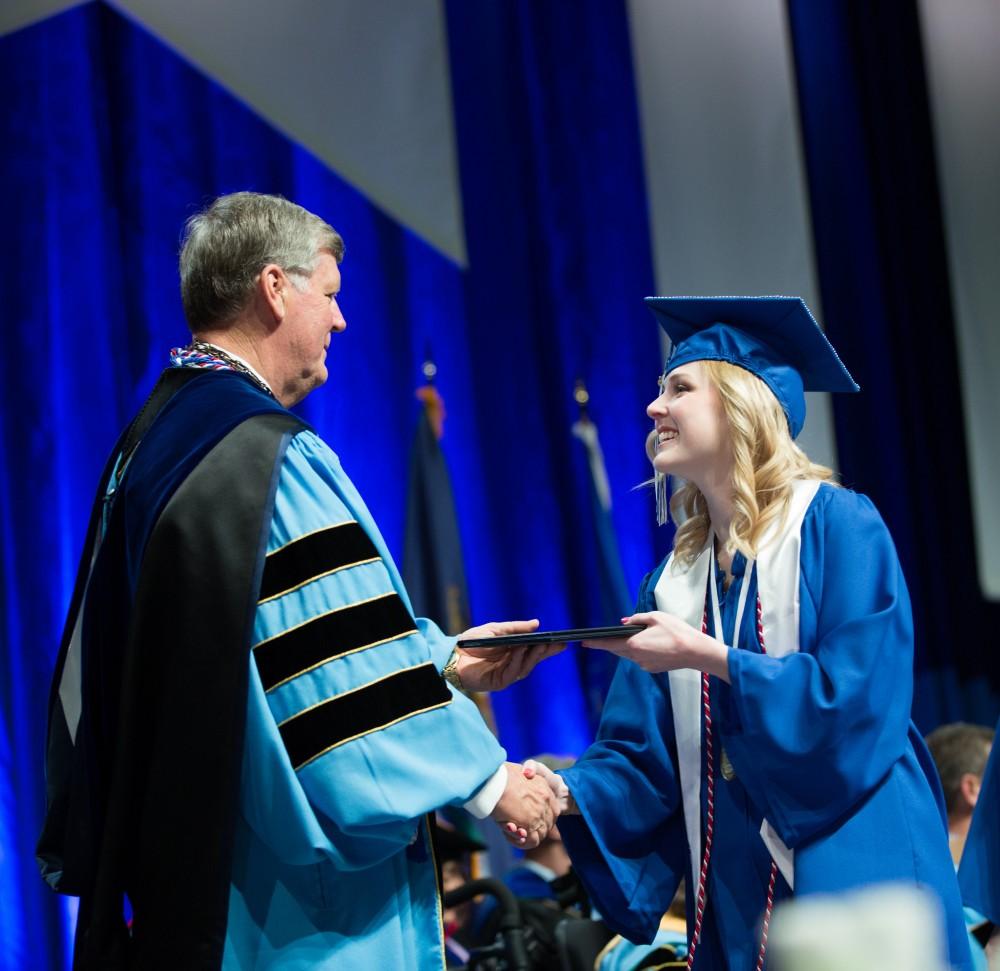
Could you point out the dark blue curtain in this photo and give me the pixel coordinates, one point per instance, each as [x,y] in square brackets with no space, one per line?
[558,243]
[111,141]
[883,272]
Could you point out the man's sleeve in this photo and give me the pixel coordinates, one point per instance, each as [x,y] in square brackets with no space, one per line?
[346,691]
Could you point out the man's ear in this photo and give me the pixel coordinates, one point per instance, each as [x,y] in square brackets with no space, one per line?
[272,285]
[969,786]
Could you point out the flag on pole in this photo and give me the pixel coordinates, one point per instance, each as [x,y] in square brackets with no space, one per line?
[433,568]
[615,597]
[434,574]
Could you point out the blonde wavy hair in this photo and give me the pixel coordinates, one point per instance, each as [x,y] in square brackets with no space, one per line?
[765,463]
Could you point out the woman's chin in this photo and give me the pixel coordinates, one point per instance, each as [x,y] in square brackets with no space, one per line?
[664,466]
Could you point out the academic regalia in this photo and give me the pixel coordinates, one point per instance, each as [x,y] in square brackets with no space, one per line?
[530,880]
[259,724]
[667,950]
[819,740]
[979,869]
[820,781]
[337,863]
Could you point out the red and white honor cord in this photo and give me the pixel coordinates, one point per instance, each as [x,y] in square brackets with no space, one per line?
[774,866]
[706,707]
[710,815]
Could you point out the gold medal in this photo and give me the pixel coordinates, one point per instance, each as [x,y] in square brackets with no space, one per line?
[726,768]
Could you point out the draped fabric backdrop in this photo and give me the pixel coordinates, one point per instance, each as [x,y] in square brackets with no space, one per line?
[111,141]
[884,278]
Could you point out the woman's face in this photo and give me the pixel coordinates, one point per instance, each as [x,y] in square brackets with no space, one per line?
[691,432]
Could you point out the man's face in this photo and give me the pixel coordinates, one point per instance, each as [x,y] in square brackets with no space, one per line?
[311,316]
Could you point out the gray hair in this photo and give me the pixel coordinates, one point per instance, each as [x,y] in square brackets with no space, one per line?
[224,248]
[957,749]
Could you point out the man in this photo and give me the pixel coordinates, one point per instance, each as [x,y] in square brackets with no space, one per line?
[979,874]
[267,812]
[960,752]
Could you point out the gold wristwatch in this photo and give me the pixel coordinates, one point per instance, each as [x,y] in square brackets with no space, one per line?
[450,671]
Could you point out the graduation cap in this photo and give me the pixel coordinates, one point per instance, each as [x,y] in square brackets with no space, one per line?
[450,843]
[776,338]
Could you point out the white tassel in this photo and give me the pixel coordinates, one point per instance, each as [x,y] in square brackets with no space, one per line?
[662,498]
[660,485]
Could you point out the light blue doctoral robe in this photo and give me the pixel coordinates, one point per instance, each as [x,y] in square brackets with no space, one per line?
[333,866]
[821,743]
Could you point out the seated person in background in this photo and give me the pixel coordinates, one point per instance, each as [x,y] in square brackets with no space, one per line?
[533,877]
[979,873]
[667,950]
[547,890]
[453,851]
[960,752]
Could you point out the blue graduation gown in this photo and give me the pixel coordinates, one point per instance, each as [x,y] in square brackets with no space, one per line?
[979,871]
[821,743]
[352,736]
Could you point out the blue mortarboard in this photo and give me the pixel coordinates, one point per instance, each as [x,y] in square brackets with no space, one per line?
[776,338]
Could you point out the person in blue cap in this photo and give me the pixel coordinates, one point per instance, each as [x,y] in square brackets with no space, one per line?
[757,739]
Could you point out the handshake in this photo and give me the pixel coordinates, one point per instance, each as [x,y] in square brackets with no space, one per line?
[533,798]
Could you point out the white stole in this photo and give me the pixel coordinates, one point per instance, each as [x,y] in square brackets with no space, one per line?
[681,592]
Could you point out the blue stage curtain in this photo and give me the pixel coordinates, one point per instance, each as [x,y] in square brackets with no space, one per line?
[558,242]
[111,141]
[880,252]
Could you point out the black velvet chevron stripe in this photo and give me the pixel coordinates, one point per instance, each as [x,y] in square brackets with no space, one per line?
[313,556]
[368,709]
[331,635]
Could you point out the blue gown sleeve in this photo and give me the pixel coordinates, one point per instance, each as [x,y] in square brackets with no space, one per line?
[979,872]
[812,733]
[352,734]
[439,644]
[628,844]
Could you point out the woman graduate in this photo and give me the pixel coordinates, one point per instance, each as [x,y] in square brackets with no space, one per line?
[757,737]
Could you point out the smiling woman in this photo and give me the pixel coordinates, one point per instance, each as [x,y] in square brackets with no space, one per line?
[759,457]
[692,434]
[759,726]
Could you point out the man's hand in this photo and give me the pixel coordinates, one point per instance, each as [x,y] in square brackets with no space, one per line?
[493,668]
[526,810]
[556,783]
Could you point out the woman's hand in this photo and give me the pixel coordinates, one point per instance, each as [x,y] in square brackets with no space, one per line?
[564,798]
[527,809]
[493,668]
[668,644]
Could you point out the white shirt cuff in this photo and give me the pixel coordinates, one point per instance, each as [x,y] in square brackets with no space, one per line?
[486,799]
